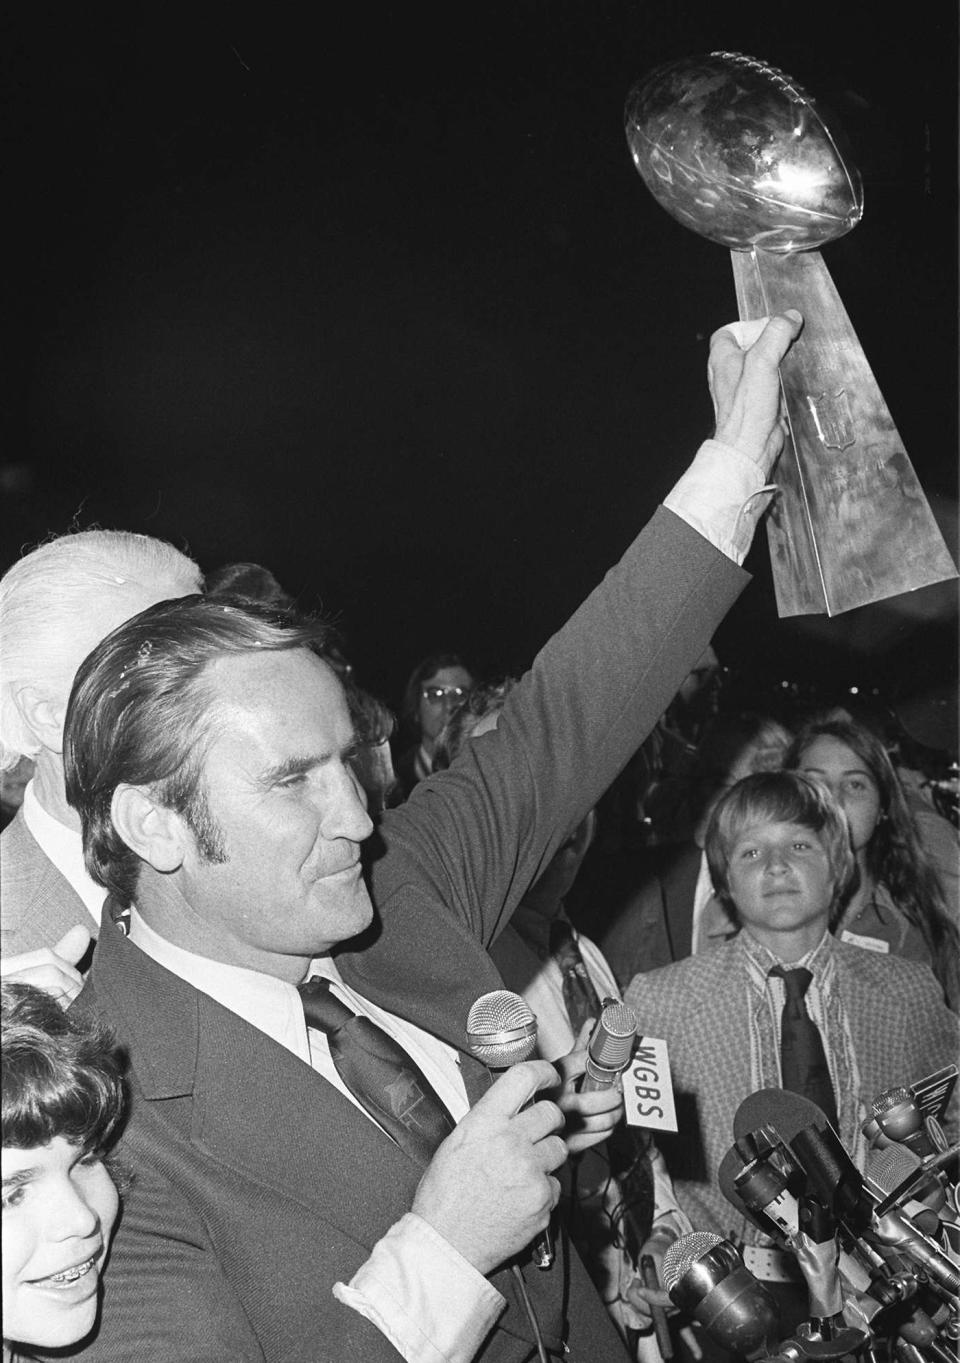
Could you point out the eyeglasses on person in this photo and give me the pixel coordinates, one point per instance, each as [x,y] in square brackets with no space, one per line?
[436,695]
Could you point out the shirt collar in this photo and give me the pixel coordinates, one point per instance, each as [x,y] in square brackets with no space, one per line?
[64,847]
[271,1005]
[816,960]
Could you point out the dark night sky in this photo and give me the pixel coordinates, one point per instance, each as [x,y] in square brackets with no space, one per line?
[383,304]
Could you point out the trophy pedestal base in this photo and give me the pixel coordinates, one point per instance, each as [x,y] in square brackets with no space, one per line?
[851,524]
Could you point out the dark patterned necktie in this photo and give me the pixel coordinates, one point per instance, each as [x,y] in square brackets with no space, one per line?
[803,1061]
[579,996]
[384,1079]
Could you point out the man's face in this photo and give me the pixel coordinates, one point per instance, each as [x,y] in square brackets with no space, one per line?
[780,879]
[290,815]
[439,697]
[59,1207]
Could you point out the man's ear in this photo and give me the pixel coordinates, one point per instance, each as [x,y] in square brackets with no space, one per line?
[157,834]
[43,713]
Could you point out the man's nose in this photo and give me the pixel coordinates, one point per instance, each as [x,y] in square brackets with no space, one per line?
[347,815]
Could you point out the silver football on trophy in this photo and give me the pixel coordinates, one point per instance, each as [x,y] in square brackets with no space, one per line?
[736,151]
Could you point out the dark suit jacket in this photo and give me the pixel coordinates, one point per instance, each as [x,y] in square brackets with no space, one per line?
[37,904]
[257,1184]
[650,898]
[900,1027]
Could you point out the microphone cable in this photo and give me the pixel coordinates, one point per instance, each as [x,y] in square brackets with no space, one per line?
[531,1314]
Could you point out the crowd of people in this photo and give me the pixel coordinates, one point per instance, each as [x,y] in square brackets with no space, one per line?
[248,907]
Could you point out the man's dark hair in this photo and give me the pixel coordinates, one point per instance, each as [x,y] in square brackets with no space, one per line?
[63,1074]
[142,714]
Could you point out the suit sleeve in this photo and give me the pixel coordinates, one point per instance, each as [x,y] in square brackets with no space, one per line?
[476,836]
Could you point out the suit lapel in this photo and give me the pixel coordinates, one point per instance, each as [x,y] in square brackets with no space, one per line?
[255,1107]
[265,1113]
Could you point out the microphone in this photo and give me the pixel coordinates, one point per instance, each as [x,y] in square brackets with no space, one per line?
[706,1278]
[502,1031]
[898,1231]
[833,1177]
[830,1172]
[610,1047]
[897,1118]
[896,1171]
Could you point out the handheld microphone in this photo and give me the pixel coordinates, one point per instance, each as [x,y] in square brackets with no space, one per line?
[610,1047]
[706,1278]
[502,1031]
[897,1118]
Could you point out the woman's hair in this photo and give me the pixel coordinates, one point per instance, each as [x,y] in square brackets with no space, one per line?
[410,706]
[63,1074]
[779,797]
[748,738]
[895,857]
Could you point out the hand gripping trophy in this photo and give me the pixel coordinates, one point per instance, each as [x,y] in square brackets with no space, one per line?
[736,151]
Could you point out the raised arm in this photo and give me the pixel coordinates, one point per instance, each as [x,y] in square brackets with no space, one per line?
[480,833]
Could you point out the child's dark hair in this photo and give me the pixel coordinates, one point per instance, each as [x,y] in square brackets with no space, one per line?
[895,855]
[779,797]
[63,1074]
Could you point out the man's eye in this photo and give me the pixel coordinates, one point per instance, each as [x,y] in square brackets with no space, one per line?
[14,1197]
[291,782]
[801,847]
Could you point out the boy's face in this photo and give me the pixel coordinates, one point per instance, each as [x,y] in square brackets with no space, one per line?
[782,884]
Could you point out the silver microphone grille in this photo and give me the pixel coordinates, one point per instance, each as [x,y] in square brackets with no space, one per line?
[614,1042]
[684,1253]
[501,1029]
[892,1098]
[888,1168]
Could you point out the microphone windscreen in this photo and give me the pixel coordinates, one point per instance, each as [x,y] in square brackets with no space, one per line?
[501,1029]
[611,1043]
[889,1167]
[786,1112]
[890,1098]
[684,1253]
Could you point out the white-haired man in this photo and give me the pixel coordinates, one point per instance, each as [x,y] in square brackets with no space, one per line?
[56,604]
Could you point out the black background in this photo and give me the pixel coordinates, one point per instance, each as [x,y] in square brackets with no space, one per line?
[376,298]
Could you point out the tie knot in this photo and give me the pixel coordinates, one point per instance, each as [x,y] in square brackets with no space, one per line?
[563,945]
[795,982]
[321,1007]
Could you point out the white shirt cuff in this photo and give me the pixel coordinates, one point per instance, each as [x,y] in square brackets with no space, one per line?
[430,1303]
[722,496]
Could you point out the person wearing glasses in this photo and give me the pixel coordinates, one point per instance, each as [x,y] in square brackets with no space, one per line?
[437,685]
